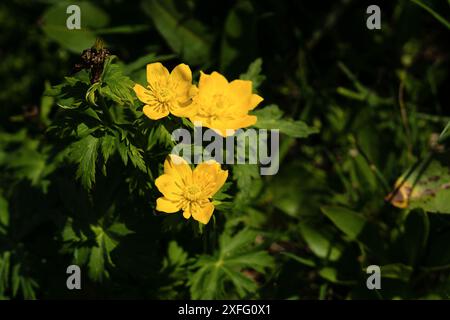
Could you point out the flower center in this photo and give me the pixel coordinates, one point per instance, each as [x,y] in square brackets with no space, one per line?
[192,193]
[219,101]
[163,95]
[217,107]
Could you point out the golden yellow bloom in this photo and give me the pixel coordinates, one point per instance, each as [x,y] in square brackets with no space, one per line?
[224,105]
[166,93]
[189,190]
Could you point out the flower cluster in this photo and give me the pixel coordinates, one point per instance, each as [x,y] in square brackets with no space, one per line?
[217,104]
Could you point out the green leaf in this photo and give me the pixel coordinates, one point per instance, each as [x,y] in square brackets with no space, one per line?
[141,62]
[214,274]
[330,274]
[76,41]
[254,74]
[28,162]
[22,281]
[187,37]
[136,158]
[239,42]
[244,174]
[426,187]
[126,29]
[4,215]
[248,181]
[47,103]
[159,135]
[233,244]
[175,255]
[96,255]
[96,264]
[84,152]
[115,85]
[28,288]
[221,195]
[108,146]
[270,117]
[320,243]
[175,268]
[415,236]
[445,134]
[304,261]
[90,93]
[123,151]
[72,92]
[15,277]
[349,222]
[397,271]
[54,25]
[5,258]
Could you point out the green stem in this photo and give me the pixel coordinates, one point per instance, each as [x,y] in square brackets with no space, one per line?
[436,15]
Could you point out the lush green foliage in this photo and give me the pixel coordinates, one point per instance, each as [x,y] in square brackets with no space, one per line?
[364,164]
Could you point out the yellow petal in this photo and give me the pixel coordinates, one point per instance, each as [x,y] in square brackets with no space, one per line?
[193,91]
[227,128]
[178,167]
[187,213]
[243,122]
[210,177]
[221,177]
[205,174]
[212,84]
[207,167]
[142,93]
[169,186]
[186,108]
[155,112]
[156,73]
[197,119]
[241,89]
[185,111]
[224,132]
[254,101]
[181,80]
[166,205]
[203,213]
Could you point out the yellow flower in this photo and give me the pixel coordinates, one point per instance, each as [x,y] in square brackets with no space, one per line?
[189,190]
[224,105]
[166,93]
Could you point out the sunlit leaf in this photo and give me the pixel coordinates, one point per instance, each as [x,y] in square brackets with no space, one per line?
[426,187]
[271,117]
[185,36]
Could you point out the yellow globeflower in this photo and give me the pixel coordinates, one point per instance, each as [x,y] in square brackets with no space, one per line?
[223,105]
[166,93]
[189,190]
